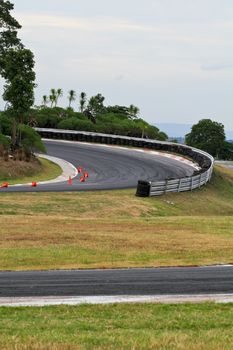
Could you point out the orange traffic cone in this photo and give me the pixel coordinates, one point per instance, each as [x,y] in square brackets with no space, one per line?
[80,170]
[34,184]
[5,185]
[86,174]
[82,179]
[70,181]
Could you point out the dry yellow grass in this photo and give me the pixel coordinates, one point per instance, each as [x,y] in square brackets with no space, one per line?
[51,242]
[22,172]
[117,229]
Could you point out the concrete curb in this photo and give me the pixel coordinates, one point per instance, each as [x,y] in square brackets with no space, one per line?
[112,299]
[68,170]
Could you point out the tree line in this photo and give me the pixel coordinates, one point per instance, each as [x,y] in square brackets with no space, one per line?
[92,115]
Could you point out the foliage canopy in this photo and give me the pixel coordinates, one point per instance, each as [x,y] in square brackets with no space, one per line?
[208,136]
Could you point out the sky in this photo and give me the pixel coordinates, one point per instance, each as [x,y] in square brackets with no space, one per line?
[171,58]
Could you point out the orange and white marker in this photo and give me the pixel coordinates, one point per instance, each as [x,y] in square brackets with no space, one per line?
[82,179]
[5,185]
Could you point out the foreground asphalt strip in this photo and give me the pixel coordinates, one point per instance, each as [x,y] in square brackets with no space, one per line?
[96,300]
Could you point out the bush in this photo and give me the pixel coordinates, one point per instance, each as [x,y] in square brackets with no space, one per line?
[112,120]
[5,124]
[76,124]
[5,141]
[30,139]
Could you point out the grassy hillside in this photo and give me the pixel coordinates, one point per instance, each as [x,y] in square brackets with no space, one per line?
[118,229]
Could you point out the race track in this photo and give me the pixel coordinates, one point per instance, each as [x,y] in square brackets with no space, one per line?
[109,167]
[158,281]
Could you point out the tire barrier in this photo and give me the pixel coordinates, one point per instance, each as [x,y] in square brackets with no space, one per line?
[147,188]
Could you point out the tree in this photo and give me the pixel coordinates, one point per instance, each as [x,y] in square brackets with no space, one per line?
[45,100]
[8,28]
[142,125]
[227,151]
[133,111]
[4,141]
[4,147]
[82,101]
[53,97]
[18,72]
[17,68]
[59,93]
[96,105]
[5,124]
[71,97]
[30,140]
[208,136]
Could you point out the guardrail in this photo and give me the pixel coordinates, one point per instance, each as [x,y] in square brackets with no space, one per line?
[147,188]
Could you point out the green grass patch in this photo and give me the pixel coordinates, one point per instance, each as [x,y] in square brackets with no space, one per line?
[16,172]
[119,326]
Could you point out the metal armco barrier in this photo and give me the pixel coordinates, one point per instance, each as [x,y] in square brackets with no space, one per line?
[147,188]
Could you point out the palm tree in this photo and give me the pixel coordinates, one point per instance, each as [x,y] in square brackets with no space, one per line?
[71,97]
[53,97]
[45,101]
[59,93]
[82,101]
[96,104]
[134,111]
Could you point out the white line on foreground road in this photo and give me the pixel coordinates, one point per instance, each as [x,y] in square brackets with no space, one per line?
[161,299]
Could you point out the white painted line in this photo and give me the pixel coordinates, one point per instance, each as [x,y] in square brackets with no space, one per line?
[161,299]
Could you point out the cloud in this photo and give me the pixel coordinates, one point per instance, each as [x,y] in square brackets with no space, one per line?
[153,53]
[210,33]
[216,66]
[67,22]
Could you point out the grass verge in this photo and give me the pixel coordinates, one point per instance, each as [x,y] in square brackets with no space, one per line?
[111,229]
[23,172]
[119,326]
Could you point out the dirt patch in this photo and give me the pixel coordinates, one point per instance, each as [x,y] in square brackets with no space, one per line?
[14,169]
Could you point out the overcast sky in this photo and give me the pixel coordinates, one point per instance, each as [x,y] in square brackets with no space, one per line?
[171,58]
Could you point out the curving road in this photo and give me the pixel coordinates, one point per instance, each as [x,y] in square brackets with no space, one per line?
[108,167]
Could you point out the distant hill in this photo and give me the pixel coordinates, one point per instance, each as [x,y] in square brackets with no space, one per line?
[177,130]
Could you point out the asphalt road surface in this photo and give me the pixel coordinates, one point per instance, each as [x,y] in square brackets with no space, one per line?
[159,281]
[108,167]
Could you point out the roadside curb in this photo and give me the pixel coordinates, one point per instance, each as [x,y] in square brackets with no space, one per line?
[116,299]
[68,171]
